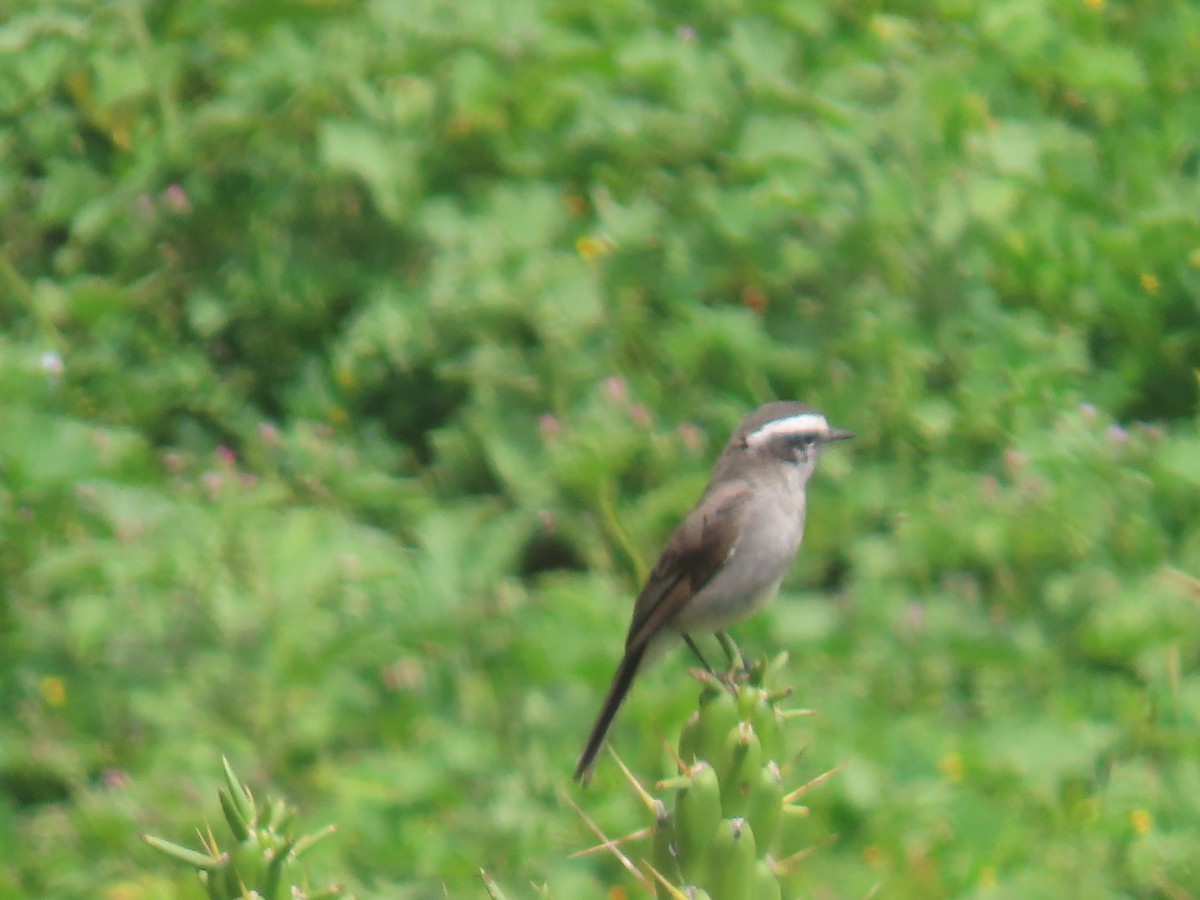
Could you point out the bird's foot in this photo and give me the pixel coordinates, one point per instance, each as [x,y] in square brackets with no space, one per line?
[687,639]
[739,672]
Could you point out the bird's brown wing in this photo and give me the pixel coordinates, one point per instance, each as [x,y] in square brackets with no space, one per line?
[694,554]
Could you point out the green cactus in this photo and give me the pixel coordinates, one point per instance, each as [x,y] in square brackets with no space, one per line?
[260,861]
[717,837]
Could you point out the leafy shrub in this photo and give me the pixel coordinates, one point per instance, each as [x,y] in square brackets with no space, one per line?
[356,359]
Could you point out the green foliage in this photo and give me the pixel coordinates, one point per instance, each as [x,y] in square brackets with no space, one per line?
[357,358]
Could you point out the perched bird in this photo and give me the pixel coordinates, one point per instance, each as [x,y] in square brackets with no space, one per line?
[727,559]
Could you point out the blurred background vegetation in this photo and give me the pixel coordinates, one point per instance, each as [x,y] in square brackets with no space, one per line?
[356,357]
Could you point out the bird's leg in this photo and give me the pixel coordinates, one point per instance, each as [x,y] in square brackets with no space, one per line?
[687,639]
[737,665]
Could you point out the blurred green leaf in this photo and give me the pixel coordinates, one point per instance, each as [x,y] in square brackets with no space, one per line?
[382,165]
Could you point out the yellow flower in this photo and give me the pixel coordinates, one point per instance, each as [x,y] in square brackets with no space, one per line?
[951,766]
[1151,283]
[54,691]
[987,877]
[591,247]
[1094,4]
[977,106]
[1194,258]
[1141,820]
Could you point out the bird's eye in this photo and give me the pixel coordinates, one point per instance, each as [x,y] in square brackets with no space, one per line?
[802,446]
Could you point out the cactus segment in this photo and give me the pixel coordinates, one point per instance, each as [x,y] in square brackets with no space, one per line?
[697,814]
[765,882]
[737,766]
[664,854]
[734,854]
[718,716]
[764,805]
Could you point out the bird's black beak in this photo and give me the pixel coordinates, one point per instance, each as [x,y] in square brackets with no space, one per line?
[838,434]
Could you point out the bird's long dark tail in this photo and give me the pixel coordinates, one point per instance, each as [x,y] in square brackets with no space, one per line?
[622,681]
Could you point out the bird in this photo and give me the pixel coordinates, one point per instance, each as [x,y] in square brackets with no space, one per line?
[726,560]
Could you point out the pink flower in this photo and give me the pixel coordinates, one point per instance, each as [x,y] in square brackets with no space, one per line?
[692,437]
[176,199]
[549,425]
[1014,461]
[990,487]
[52,363]
[115,778]
[212,482]
[615,389]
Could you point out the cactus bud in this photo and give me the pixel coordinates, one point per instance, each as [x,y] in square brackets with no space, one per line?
[764,804]
[718,715]
[737,766]
[748,698]
[733,860]
[765,884]
[697,814]
[768,723]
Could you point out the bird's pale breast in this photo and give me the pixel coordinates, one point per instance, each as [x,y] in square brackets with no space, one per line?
[764,551]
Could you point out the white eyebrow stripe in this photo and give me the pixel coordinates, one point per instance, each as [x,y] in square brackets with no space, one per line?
[804,423]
